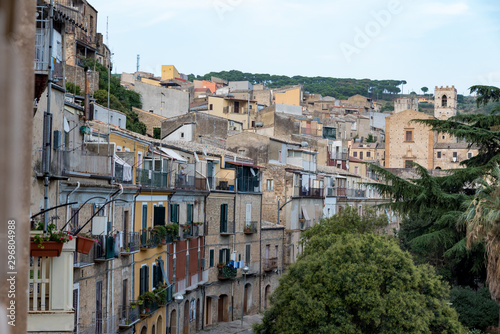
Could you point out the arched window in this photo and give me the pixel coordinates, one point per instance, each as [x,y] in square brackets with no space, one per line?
[444,101]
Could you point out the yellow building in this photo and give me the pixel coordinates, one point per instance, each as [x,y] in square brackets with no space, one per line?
[239,110]
[291,96]
[169,72]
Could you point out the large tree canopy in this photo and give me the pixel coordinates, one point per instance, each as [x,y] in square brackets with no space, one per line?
[359,283]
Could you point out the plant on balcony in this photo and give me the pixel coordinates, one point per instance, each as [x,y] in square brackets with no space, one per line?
[172,230]
[186,229]
[221,265]
[248,228]
[49,243]
[148,298]
[198,223]
[84,242]
[161,232]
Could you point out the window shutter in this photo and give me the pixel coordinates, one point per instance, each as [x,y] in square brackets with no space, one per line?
[212,255]
[227,255]
[221,255]
[146,278]
[189,213]
[223,218]
[141,281]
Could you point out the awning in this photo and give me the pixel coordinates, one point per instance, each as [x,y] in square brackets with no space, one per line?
[127,169]
[304,212]
[171,153]
[244,164]
[66,124]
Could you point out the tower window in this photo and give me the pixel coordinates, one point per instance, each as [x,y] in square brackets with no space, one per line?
[444,101]
[409,135]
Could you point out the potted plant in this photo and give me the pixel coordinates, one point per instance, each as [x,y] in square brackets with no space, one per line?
[148,298]
[50,243]
[133,305]
[161,231]
[186,229]
[221,265]
[84,243]
[248,228]
[172,230]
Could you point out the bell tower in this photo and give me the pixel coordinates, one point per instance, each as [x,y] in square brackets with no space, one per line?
[445,102]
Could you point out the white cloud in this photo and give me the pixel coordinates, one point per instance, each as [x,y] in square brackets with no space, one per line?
[439,8]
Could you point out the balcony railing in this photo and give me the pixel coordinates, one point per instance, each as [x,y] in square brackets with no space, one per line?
[149,239]
[250,228]
[120,177]
[355,193]
[270,264]
[150,178]
[189,182]
[129,315]
[147,308]
[227,228]
[249,184]
[226,272]
[165,295]
[222,184]
[308,192]
[104,248]
[131,242]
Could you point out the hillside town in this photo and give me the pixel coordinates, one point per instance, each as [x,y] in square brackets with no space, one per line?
[194,222]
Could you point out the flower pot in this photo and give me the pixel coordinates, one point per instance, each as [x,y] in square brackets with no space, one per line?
[84,245]
[50,249]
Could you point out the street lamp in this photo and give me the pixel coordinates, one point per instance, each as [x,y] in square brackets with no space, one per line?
[178,298]
[245,271]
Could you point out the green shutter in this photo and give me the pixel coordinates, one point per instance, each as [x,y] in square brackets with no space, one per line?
[174,213]
[228,255]
[212,257]
[141,282]
[189,214]
[221,255]
[223,218]
[146,278]
[144,216]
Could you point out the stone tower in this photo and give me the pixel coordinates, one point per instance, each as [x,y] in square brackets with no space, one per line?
[445,102]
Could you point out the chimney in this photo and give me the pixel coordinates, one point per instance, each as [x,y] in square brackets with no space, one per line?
[87,93]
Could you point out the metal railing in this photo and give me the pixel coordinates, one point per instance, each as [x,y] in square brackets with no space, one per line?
[222,184]
[270,264]
[355,193]
[190,183]
[130,242]
[228,228]
[250,227]
[150,178]
[249,184]
[129,315]
[119,175]
[104,248]
[339,156]
[149,239]
[165,295]
[307,192]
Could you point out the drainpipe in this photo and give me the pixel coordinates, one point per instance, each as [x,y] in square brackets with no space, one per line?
[67,199]
[48,128]
[260,254]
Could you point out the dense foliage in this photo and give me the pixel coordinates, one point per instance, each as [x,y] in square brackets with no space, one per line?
[475,309]
[120,98]
[358,283]
[326,86]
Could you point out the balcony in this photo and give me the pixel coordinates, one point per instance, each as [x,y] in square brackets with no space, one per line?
[149,239]
[189,182]
[146,308]
[129,316]
[165,295]
[104,248]
[249,184]
[308,192]
[227,229]
[222,184]
[50,304]
[153,179]
[357,193]
[250,228]
[270,264]
[226,272]
[131,243]
[119,177]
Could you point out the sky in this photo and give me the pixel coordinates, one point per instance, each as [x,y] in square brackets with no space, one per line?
[425,42]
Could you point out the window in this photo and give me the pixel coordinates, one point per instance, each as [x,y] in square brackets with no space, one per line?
[241,152]
[409,135]
[158,215]
[101,208]
[469,155]
[224,255]
[182,134]
[211,107]
[269,184]
[174,213]
[212,255]
[356,171]
[189,219]
[361,155]
[455,154]
[279,156]
[408,164]
[438,154]
[247,254]
[444,101]
[223,218]
[355,154]
[368,154]
[157,276]
[144,280]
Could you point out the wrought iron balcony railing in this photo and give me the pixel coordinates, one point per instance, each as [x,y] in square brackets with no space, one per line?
[270,264]
[226,272]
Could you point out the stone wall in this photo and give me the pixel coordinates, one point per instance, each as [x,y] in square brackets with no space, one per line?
[76,75]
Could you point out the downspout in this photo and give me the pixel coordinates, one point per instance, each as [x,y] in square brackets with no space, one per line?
[48,129]
[260,253]
[67,199]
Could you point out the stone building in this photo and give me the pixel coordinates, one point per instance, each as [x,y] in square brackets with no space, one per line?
[445,102]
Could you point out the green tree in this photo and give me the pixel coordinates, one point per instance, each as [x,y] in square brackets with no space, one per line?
[370,138]
[73,89]
[424,90]
[361,283]
[475,308]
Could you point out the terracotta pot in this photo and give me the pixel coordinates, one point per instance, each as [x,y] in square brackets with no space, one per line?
[84,245]
[50,249]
